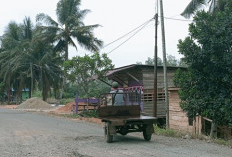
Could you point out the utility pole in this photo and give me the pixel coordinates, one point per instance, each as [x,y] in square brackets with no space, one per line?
[164,64]
[155,68]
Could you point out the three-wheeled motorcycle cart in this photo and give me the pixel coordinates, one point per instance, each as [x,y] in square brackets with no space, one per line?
[124,119]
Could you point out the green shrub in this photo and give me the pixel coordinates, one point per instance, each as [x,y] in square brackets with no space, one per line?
[89,113]
[68,100]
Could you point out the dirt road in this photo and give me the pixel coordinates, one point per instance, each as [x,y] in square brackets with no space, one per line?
[27,134]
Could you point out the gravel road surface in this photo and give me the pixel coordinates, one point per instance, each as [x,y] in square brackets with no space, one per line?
[31,134]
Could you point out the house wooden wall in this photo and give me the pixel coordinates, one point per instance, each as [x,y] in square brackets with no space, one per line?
[148,78]
[148,86]
[178,119]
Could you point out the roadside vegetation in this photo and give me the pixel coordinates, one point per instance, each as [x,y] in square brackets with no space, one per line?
[34,57]
[179,134]
[205,87]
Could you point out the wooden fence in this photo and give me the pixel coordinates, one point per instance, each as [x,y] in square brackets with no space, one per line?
[86,104]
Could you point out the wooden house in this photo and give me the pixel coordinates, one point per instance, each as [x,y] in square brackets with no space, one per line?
[178,119]
[141,77]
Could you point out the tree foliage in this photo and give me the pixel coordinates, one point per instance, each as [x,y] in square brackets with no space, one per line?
[82,70]
[171,61]
[150,61]
[206,87]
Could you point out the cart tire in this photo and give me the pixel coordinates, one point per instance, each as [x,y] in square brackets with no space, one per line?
[146,136]
[108,137]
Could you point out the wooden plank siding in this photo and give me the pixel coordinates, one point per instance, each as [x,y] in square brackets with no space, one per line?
[148,78]
[148,109]
[178,119]
[148,86]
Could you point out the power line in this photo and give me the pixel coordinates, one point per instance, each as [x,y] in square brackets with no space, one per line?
[145,23]
[169,18]
[131,36]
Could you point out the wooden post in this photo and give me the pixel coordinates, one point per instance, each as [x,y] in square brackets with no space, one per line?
[76,101]
[155,69]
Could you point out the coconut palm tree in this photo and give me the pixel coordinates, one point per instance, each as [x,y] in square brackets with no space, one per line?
[46,67]
[214,5]
[10,44]
[38,60]
[25,59]
[69,26]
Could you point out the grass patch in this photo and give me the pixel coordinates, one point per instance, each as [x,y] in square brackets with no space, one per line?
[172,133]
[164,132]
[73,116]
[89,114]
[223,142]
[168,132]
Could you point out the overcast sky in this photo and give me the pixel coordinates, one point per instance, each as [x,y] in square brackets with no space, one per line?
[116,17]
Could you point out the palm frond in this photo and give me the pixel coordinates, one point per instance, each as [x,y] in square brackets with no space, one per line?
[66,8]
[46,19]
[88,41]
[71,42]
[213,5]
[28,28]
[192,7]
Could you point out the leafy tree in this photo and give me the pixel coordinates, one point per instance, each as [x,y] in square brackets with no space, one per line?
[82,70]
[150,61]
[206,86]
[214,5]
[171,61]
[138,62]
[182,63]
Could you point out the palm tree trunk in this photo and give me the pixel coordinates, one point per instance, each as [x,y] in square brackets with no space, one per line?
[9,95]
[64,77]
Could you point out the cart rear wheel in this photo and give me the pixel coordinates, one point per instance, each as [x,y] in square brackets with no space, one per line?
[146,136]
[108,137]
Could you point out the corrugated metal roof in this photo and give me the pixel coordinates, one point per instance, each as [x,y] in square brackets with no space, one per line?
[120,69]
